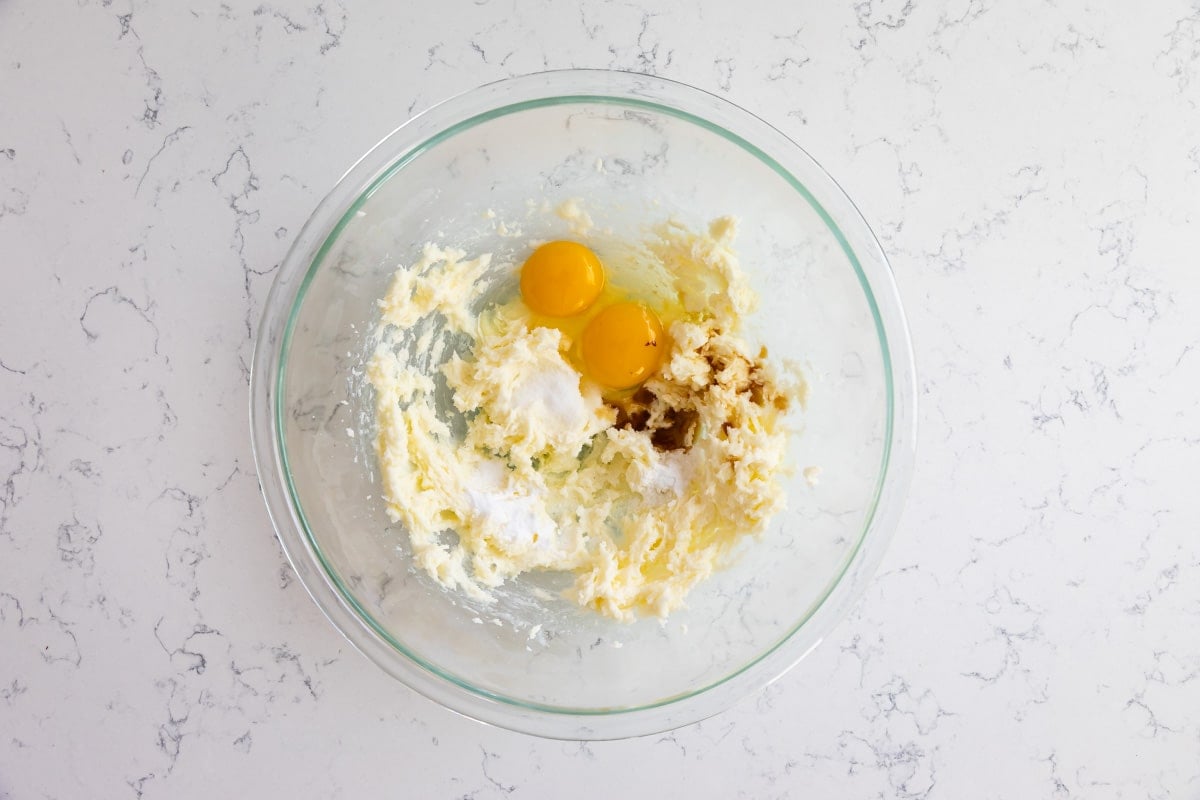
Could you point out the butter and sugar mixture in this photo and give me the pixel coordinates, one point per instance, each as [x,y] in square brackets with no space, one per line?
[617,426]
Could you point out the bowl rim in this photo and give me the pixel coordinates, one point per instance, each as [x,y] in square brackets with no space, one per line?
[321,231]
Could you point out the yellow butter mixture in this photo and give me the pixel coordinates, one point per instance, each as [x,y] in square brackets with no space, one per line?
[609,421]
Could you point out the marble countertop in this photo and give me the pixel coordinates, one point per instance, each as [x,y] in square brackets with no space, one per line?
[1033,170]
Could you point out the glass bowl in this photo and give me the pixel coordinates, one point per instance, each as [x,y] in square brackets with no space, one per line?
[634,150]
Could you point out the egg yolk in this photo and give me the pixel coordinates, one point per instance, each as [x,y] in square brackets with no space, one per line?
[622,345]
[561,279]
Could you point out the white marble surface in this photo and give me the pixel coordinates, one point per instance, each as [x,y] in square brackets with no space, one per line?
[1033,169]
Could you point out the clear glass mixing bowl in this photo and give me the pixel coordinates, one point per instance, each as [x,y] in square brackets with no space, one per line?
[634,149]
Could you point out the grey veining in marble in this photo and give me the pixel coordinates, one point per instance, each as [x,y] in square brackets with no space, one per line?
[1032,168]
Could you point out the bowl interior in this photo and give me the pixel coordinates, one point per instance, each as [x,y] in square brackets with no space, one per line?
[631,163]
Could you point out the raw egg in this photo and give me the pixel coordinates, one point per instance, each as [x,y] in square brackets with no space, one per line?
[622,345]
[615,340]
[561,279]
